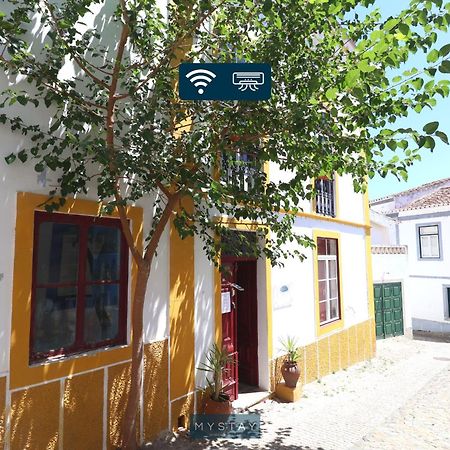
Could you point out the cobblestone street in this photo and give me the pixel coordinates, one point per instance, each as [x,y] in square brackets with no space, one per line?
[399,400]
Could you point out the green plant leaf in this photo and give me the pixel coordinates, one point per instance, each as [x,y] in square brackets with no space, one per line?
[431,127]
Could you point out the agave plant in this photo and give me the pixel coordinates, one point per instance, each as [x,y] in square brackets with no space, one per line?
[291,348]
[216,361]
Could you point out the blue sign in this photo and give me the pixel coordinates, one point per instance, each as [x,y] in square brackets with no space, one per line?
[234,81]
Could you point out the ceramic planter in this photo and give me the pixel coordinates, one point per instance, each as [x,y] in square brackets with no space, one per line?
[291,373]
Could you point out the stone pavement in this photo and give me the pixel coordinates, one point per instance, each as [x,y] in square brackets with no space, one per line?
[399,400]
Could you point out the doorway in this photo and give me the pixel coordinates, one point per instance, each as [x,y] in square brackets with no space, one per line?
[240,323]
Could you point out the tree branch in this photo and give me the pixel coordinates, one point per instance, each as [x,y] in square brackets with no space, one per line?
[76,58]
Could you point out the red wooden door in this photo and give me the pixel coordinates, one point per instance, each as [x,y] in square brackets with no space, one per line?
[247,322]
[229,326]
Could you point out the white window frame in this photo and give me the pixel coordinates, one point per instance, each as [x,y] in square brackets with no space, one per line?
[327,278]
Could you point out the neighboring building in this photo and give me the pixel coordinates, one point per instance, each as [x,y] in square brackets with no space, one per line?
[66,280]
[417,219]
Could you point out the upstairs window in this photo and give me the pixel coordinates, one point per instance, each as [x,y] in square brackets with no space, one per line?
[240,169]
[325,197]
[80,284]
[429,245]
[328,275]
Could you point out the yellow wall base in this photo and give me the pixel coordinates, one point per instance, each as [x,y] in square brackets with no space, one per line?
[288,394]
[78,406]
[331,353]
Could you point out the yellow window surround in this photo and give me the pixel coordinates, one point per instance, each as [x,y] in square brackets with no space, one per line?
[338,323]
[22,374]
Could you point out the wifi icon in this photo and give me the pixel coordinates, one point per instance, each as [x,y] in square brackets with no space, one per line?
[200,78]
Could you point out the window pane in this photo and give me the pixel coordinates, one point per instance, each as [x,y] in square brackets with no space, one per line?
[103,259]
[321,246]
[323,311]
[333,288]
[334,309]
[101,321]
[425,246]
[54,318]
[332,268]
[322,290]
[322,269]
[58,249]
[331,247]
[428,230]
[434,246]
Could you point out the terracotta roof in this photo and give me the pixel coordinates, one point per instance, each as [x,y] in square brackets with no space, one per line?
[431,184]
[441,197]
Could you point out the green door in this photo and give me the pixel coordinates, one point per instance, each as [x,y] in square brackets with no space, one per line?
[388,310]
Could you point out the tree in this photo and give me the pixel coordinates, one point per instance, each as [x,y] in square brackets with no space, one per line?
[119,126]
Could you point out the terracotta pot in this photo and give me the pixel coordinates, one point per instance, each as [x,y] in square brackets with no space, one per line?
[291,373]
[218,407]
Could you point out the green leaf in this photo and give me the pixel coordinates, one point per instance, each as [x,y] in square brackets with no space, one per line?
[352,77]
[445,66]
[331,93]
[22,155]
[431,127]
[445,50]
[429,143]
[404,29]
[442,136]
[433,56]
[10,158]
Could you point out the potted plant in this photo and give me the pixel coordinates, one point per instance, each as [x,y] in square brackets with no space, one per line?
[216,401]
[289,369]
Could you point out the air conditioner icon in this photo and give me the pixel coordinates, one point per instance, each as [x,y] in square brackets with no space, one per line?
[248,80]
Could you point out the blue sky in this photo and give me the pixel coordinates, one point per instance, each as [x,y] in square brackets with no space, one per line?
[434,165]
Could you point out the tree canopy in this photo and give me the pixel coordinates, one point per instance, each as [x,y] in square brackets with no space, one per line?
[117,123]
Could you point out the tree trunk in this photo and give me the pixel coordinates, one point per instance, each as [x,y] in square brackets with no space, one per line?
[137,359]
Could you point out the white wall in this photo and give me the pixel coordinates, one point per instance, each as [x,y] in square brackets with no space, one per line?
[204,309]
[427,277]
[294,310]
[351,204]
[389,267]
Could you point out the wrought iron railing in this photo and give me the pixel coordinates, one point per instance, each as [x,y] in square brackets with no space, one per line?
[325,197]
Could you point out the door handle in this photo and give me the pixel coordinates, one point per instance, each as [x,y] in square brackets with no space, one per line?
[234,305]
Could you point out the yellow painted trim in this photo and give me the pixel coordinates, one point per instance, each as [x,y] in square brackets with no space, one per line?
[368,242]
[321,330]
[269,309]
[336,195]
[181,311]
[217,306]
[21,373]
[326,219]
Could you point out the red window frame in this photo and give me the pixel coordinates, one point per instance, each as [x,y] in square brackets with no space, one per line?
[83,222]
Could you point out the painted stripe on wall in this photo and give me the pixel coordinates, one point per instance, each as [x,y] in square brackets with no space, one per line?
[181,312]
[83,411]
[2,412]
[35,418]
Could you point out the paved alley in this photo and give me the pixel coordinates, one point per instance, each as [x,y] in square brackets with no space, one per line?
[399,400]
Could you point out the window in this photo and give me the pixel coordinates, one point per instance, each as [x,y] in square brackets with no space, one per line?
[429,246]
[240,169]
[325,197]
[447,298]
[328,274]
[80,283]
